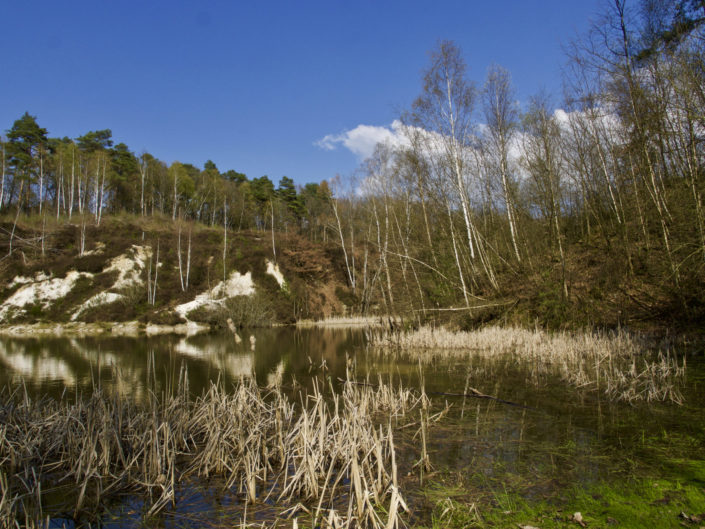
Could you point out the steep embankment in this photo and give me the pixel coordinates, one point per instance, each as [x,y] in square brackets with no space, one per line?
[155,272]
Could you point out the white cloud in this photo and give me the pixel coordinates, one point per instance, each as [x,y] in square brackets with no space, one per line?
[361,140]
[562,117]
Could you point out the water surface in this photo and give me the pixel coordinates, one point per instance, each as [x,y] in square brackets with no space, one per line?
[550,438]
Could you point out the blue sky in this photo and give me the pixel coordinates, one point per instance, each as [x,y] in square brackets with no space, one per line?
[256,85]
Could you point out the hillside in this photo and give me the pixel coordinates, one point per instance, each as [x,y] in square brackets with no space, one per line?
[107,273]
[75,274]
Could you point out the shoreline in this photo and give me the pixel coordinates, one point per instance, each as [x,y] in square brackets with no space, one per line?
[350,322]
[135,328]
[121,328]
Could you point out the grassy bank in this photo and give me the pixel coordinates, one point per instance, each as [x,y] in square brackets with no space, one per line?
[295,279]
[632,503]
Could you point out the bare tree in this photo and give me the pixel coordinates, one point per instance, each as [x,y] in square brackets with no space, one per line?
[183,278]
[637,108]
[225,239]
[17,216]
[143,175]
[542,158]
[349,266]
[73,174]
[444,110]
[2,182]
[501,116]
[152,283]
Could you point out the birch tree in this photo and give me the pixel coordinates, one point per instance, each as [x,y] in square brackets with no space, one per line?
[143,177]
[349,258]
[445,110]
[2,182]
[501,118]
[542,158]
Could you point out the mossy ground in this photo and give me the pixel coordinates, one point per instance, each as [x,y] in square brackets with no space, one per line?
[670,493]
[625,503]
[638,467]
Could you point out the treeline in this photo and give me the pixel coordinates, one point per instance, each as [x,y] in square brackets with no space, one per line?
[89,176]
[572,212]
[591,213]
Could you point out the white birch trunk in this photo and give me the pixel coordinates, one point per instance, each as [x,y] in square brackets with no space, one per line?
[101,195]
[17,216]
[176,196]
[143,173]
[351,276]
[96,190]
[59,186]
[41,180]
[156,276]
[178,253]
[188,257]
[455,254]
[2,183]
[73,171]
[508,200]
[225,239]
[274,249]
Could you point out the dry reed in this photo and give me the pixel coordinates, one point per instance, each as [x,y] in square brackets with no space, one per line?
[350,321]
[335,454]
[622,366]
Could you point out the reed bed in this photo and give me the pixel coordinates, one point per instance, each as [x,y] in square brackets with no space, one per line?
[330,456]
[622,366]
[350,321]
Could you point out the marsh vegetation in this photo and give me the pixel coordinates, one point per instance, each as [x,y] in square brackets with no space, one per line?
[329,459]
[203,430]
[621,365]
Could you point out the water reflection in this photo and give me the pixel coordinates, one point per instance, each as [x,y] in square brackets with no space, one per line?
[129,365]
[231,364]
[554,437]
[34,363]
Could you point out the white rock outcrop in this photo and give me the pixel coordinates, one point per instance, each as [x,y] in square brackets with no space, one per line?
[43,292]
[273,270]
[236,285]
[129,267]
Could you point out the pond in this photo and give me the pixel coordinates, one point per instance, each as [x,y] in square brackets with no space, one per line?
[532,443]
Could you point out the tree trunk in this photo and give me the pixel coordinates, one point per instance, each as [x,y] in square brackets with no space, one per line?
[73,171]
[2,182]
[41,180]
[351,273]
[17,216]
[455,254]
[225,239]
